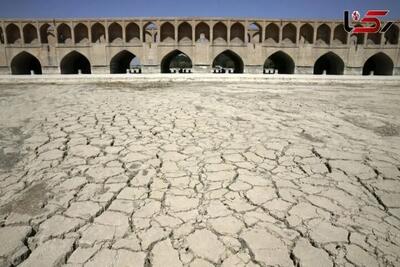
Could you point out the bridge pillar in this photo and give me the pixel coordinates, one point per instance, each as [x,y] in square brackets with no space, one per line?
[151,69]
[253,69]
[201,68]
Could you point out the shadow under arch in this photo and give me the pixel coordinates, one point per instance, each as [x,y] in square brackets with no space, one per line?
[228,60]
[379,64]
[175,60]
[121,62]
[73,62]
[330,63]
[24,63]
[280,61]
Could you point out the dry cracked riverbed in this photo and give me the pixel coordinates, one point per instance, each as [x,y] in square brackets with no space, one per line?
[200,174]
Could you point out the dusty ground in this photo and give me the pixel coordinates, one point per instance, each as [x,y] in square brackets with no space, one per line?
[193,174]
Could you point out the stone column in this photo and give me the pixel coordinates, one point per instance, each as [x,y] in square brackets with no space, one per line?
[71,25]
[4,32]
[175,31]
[211,24]
[263,25]
[332,26]
[141,37]
[228,33]
[106,31]
[280,32]
[315,27]
[193,32]
[298,25]
[89,31]
[123,31]
[21,33]
[38,32]
[158,31]
[246,31]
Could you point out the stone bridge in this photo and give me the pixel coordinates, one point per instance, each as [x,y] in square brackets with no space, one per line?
[68,46]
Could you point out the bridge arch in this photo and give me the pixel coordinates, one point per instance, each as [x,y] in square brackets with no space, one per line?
[379,64]
[175,59]
[229,59]
[392,35]
[81,33]
[202,32]
[220,33]
[132,32]
[122,61]
[237,33]
[1,36]
[30,34]
[64,34]
[329,62]
[114,33]
[254,33]
[289,33]
[167,32]
[324,34]
[73,62]
[307,33]
[339,34]
[374,38]
[47,34]
[13,34]
[98,33]
[272,33]
[281,62]
[24,63]
[149,32]
[185,33]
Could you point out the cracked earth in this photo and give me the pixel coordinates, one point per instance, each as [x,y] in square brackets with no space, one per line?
[200,174]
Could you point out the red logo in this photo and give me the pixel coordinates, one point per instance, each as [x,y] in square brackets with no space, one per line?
[368,24]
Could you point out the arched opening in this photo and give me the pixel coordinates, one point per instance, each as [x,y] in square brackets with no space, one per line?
[1,36]
[340,35]
[124,61]
[330,64]
[13,34]
[289,33]
[279,62]
[30,34]
[220,33]
[47,34]
[374,38]
[150,32]
[237,33]
[254,31]
[202,32]
[392,35]
[324,34]
[228,61]
[378,64]
[132,33]
[98,33]
[64,34]
[75,63]
[307,33]
[272,33]
[185,33]
[25,63]
[167,32]
[176,61]
[81,33]
[357,38]
[115,33]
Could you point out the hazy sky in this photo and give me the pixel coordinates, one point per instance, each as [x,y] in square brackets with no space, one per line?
[324,9]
